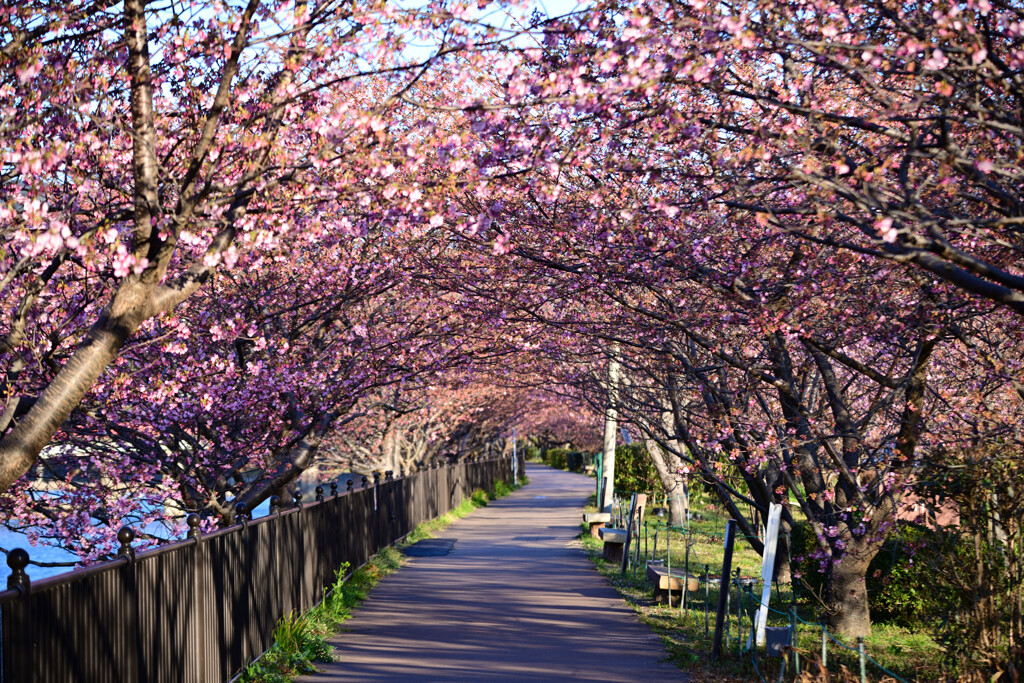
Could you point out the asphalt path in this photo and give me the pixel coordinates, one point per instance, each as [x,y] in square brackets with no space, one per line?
[505,594]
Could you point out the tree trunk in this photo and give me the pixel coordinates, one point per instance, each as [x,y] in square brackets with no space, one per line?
[781,571]
[847,597]
[667,467]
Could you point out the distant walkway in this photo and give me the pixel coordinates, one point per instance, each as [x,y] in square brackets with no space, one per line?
[511,601]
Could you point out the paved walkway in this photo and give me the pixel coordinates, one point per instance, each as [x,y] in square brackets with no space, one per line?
[512,601]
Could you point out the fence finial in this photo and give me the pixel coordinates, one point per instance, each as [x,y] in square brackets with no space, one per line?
[389,475]
[126,535]
[376,478]
[364,481]
[297,495]
[334,489]
[348,485]
[319,493]
[193,522]
[275,505]
[17,560]
[241,513]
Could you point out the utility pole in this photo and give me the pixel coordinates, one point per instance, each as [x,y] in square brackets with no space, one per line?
[515,459]
[611,418]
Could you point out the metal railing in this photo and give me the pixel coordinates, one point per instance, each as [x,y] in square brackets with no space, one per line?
[201,609]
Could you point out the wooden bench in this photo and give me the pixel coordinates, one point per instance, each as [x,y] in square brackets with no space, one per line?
[596,520]
[614,542]
[666,584]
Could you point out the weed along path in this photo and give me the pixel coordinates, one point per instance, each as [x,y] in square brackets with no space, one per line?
[503,595]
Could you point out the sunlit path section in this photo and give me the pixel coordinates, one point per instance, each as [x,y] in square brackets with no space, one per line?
[513,600]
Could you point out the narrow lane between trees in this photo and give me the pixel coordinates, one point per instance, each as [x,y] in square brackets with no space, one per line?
[513,599]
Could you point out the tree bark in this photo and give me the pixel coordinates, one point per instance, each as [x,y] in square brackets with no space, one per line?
[846,597]
[667,467]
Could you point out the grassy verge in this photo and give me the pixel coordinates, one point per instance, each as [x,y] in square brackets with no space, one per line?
[301,640]
[910,653]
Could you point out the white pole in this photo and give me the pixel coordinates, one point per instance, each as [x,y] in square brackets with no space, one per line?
[771,539]
[611,417]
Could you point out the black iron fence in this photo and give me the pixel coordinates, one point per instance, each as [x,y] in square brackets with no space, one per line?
[200,609]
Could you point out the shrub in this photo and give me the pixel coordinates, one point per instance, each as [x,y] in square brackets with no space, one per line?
[900,589]
[574,461]
[981,559]
[557,458]
[634,470]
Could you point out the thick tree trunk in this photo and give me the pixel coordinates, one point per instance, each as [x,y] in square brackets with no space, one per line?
[847,598]
[667,467]
[782,555]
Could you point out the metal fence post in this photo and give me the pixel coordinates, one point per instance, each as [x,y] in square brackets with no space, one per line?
[863,662]
[739,615]
[686,574]
[723,591]
[125,536]
[130,604]
[794,641]
[198,604]
[193,521]
[17,660]
[707,587]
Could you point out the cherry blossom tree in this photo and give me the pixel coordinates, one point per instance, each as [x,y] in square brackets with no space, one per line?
[802,361]
[242,125]
[893,132]
[459,415]
[729,176]
[230,399]
[799,221]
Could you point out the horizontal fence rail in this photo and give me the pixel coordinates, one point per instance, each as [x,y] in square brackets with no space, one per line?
[199,610]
